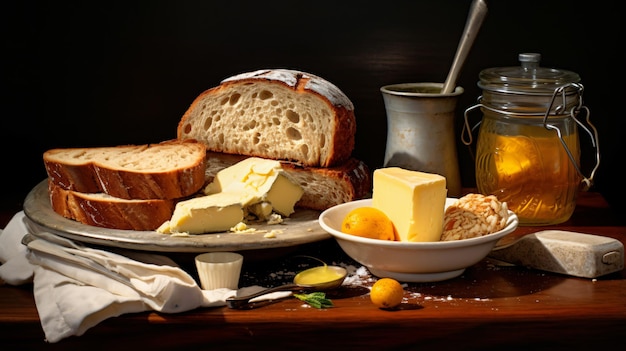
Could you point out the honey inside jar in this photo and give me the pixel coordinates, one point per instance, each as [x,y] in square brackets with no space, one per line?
[528,152]
[528,167]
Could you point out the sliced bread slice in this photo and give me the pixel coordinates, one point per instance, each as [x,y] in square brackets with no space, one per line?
[102,210]
[168,170]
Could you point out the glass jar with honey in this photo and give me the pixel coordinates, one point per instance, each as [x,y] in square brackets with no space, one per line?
[528,149]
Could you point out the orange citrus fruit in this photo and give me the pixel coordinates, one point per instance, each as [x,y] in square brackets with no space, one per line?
[386,293]
[368,222]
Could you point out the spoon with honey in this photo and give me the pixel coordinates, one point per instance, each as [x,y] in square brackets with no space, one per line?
[313,279]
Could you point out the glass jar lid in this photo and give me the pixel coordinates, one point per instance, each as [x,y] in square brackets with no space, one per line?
[528,78]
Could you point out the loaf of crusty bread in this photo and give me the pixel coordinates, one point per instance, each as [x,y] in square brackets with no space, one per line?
[102,210]
[169,170]
[323,187]
[277,114]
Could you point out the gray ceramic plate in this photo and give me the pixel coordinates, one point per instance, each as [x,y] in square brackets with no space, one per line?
[301,228]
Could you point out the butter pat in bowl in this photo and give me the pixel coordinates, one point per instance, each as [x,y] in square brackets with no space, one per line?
[411,261]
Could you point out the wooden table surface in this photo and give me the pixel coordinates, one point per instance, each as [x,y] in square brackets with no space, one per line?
[488,307]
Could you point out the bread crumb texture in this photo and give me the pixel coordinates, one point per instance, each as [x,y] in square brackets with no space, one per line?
[280,116]
[160,157]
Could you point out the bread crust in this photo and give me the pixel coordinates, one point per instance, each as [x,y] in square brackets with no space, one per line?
[329,149]
[108,212]
[96,175]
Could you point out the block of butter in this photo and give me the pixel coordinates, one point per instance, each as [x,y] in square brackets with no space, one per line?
[414,201]
[254,185]
[259,180]
[205,214]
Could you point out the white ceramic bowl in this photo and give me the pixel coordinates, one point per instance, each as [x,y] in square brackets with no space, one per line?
[411,262]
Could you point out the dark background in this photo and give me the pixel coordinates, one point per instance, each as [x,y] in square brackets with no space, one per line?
[96,73]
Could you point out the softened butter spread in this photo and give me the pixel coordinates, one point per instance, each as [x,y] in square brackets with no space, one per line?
[317,275]
[206,214]
[259,180]
[254,185]
[414,201]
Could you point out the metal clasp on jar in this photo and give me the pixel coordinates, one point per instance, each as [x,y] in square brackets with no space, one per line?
[558,92]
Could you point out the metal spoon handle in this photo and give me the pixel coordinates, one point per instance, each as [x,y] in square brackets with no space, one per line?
[240,301]
[478,11]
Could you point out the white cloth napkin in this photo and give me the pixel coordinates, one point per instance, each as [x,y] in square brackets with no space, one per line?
[77,287]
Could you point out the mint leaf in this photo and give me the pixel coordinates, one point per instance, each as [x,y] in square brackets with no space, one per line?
[316,299]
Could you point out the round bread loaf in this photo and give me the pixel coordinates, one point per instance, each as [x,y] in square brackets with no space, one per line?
[277,114]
